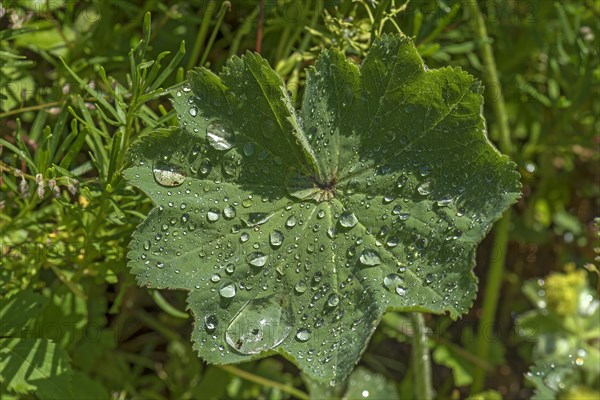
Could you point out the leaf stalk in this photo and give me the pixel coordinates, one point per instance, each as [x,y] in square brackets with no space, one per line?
[421,362]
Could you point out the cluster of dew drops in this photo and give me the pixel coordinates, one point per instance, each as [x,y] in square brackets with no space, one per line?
[262,324]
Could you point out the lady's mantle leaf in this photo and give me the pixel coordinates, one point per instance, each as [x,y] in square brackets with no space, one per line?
[294,231]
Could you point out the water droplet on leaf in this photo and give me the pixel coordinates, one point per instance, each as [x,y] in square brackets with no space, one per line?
[333,300]
[303,335]
[276,238]
[213,215]
[348,219]
[228,290]
[291,222]
[260,325]
[220,136]
[301,287]
[257,259]
[256,218]
[229,212]
[369,258]
[210,322]
[425,188]
[167,175]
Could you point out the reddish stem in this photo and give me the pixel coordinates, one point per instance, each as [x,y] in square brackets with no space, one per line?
[259,30]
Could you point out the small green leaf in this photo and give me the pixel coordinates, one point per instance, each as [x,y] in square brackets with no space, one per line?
[361,384]
[364,384]
[444,355]
[85,388]
[35,365]
[551,378]
[294,231]
[487,395]
[17,311]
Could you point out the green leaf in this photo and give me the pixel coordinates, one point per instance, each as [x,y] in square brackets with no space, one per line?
[361,384]
[18,310]
[487,395]
[213,385]
[549,378]
[64,319]
[364,384]
[85,388]
[444,355]
[294,231]
[35,365]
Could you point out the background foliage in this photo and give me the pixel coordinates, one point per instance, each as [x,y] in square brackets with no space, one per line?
[74,96]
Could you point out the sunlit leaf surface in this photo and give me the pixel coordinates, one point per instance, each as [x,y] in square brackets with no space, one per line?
[295,230]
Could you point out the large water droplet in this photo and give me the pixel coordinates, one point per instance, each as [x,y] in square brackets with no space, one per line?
[393,241]
[303,334]
[301,287]
[425,188]
[331,232]
[205,167]
[445,201]
[333,300]
[276,238]
[348,219]
[257,259]
[210,322]
[249,149]
[260,325]
[229,212]
[256,218]
[425,170]
[455,234]
[230,268]
[392,281]
[429,278]
[227,290]
[369,258]
[220,136]
[291,222]
[213,215]
[167,175]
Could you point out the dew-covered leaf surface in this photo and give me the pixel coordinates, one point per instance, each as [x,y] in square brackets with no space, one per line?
[362,384]
[294,231]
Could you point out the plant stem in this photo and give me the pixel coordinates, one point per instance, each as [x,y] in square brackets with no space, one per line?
[500,246]
[379,16]
[263,381]
[421,364]
[202,32]
[259,28]
[211,40]
[492,295]
[30,108]
[491,75]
